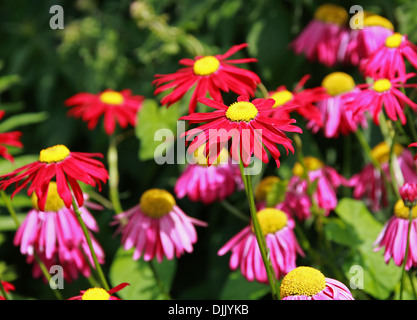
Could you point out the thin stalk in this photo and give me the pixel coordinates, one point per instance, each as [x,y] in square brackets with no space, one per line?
[258,232]
[264,90]
[112,159]
[412,285]
[237,213]
[391,168]
[10,208]
[410,220]
[90,245]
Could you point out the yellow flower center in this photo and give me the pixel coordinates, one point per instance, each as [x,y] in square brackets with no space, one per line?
[112,97]
[156,203]
[281,98]
[402,211]
[337,83]
[241,111]
[264,187]
[394,41]
[202,160]
[53,200]
[382,85]
[310,163]
[331,13]
[54,154]
[302,281]
[271,220]
[381,152]
[206,65]
[95,294]
[376,20]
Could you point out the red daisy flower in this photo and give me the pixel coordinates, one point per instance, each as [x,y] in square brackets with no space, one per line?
[7,287]
[99,293]
[247,124]
[300,100]
[120,107]
[65,166]
[9,139]
[211,74]
[389,60]
[383,92]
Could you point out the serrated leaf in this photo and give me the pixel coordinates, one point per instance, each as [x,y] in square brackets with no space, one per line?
[152,118]
[139,274]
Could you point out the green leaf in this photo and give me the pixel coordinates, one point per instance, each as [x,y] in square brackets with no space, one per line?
[7,166]
[7,81]
[379,278]
[139,274]
[22,119]
[237,287]
[8,224]
[151,119]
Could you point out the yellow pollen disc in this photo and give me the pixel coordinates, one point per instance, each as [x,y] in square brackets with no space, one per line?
[377,21]
[381,152]
[95,294]
[53,200]
[337,83]
[281,98]
[54,154]
[241,111]
[206,66]
[201,159]
[311,164]
[271,220]
[112,97]
[382,85]
[264,187]
[302,281]
[156,203]
[394,41]
[332,14]
[401,211]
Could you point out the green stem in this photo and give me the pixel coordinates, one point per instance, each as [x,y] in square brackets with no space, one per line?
[233,210]
[412,285]
[258,232]
[410,220]
[112,159]
[3,292]
[264,90]
[44,270]
[90,245]
[391,168]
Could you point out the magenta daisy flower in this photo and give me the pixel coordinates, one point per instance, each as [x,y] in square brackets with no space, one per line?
[65,166]
[394,237]
[120,107]
[299,100]
[157,227]
[307,283]
[209,74]
[9,139]
[248,125]
[368,184]
[389,60]
[408,192]
[56,235]
[335,115]
[200,182]
[320,40]
[100,293]
[277,227]
[383,93]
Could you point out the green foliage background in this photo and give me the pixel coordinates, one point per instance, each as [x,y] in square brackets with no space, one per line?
[123,44]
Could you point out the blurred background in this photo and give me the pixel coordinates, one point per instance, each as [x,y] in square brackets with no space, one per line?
[119,44]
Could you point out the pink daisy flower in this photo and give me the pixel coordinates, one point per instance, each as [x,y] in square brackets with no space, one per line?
[307,283]
[207,184]
[299,100]
[320,39]
[209,74]
[11,139]
[328,181]
[408,192]
[383,93]
[277,227]
[100,293]
[120,107]
[157,227]
[394,237]
[56,235]
[368,184]
[389,60]
[335,115]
